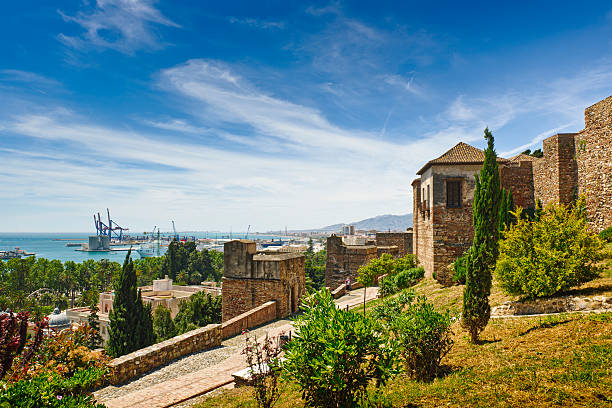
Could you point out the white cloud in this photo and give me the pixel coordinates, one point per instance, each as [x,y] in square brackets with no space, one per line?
[122,25]
[257,23]
[16,75]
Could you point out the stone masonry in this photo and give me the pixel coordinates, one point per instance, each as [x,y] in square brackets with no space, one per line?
[253,278]
[343,260]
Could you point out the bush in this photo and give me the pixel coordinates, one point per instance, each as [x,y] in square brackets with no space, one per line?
[423,334]
[460,266]
[606,235]
[425,338]
[550,254]
[53,390]
[408,277]
[336,354]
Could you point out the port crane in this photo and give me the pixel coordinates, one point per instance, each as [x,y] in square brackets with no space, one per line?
[246,236]
[175,234]
[112,229]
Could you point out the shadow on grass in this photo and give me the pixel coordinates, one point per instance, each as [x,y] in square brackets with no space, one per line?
[587,291]
[545,325]
[487,341]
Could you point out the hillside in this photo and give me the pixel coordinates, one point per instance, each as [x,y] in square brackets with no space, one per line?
[379,223]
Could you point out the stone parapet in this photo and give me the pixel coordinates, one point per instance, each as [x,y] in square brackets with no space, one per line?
[253,318]
[139,362]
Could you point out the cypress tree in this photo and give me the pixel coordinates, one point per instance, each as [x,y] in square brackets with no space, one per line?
[128,328]
[483,253]
[145,335]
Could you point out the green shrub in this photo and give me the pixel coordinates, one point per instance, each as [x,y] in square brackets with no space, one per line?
[389,309]
[552,253]
[459,266]
[424,336]
[336,354]
[400,279]
[409,277]
[606,235]
[53,390]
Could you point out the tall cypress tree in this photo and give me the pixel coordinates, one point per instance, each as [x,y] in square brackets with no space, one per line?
[95,340]
[126,319]
[483,253]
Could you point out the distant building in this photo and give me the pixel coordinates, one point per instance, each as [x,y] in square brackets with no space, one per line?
[348,230]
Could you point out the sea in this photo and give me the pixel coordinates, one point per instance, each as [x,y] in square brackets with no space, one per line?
[53,245]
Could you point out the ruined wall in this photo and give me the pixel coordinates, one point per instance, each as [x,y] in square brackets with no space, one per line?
[391,250]
[252,279]
[555,175]
[135,364]
[402,240]
[345,260]
[518,178]
[593,147]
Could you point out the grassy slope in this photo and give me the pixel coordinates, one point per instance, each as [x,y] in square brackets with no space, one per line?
[562,360]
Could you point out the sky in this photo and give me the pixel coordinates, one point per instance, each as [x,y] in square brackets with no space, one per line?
[273,114]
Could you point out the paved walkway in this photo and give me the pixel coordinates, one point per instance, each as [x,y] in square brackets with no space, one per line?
[201,372]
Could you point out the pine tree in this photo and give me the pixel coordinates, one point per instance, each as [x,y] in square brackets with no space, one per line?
[95,340]
[484,250]
[129,329]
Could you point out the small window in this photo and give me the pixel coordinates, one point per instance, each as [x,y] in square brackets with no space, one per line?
[453,194]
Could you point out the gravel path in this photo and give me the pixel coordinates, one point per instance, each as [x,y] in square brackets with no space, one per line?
[186,365]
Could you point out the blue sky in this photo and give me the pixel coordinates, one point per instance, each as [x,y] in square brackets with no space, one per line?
[223,114]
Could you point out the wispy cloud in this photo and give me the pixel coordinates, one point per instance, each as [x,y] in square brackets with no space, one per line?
[121,25]
[257,23]
[16,75]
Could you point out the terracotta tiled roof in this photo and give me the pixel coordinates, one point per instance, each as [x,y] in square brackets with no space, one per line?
[461,153]
[523,157]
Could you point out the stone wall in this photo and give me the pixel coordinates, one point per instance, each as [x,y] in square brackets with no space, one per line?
[518,178]
[422,227]
[402,240]
[594,163]
[344,260]
[553,305]
[135,364]
[555,176]
[253,318]
[253,278]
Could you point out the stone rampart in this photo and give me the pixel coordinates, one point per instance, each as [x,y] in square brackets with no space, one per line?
[136,364]
[253,318]
[594,162]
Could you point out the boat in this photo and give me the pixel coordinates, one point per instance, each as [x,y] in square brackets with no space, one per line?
[152,249]
[14,253]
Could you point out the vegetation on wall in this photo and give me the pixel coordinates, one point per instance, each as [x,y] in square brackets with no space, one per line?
[544,256]
[482,255]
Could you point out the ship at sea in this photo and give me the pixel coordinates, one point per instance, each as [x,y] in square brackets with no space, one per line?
[14,253]
[152,249]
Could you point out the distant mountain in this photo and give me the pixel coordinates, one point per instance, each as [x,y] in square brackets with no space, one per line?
[379,223]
